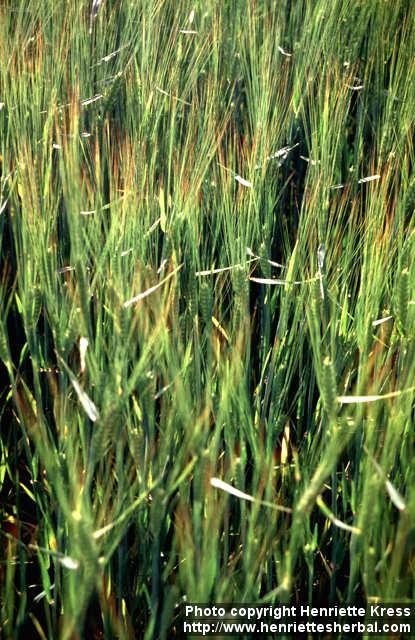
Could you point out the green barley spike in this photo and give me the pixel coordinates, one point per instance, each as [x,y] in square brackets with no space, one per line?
[83,297]
[403,300]
[125,322]
[206,302]
[240,287]
[329,387]
[193,306]
[35,307]
[175,306]
[135,443]
[314,307]
[265,266]
[4,346]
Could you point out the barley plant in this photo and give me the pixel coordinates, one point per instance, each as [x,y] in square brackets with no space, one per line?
[207,309]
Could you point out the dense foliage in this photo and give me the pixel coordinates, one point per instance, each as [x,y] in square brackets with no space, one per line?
[207,272]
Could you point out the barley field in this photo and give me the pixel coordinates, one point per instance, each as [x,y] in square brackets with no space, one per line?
[207,309]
